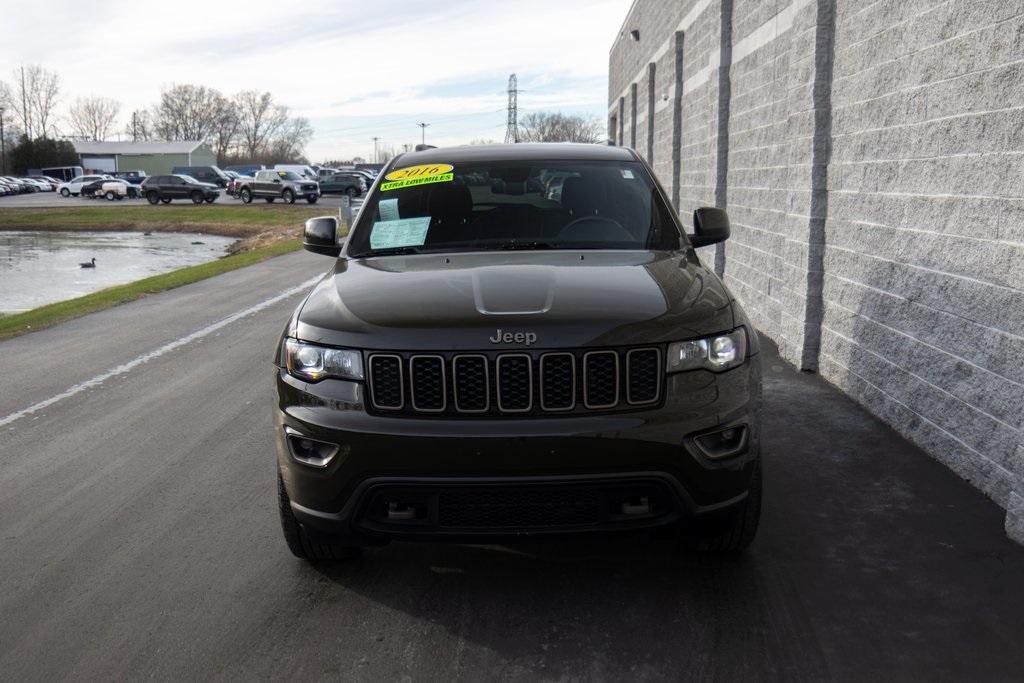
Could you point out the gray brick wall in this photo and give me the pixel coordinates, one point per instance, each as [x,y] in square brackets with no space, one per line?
[876,190]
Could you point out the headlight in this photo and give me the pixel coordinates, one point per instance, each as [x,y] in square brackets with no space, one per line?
[313,363]
[717,353]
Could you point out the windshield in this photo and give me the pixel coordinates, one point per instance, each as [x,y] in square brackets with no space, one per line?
[289,175]
[514,205]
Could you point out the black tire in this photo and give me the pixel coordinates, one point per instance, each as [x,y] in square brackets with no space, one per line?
[165,200]
[65,192]
[298,539]
[152,197]
[352,192]
[270,200]
[312,200]
[211,200]
[109,196]
[245,195]
[288,196]
[197,197]
[734,531]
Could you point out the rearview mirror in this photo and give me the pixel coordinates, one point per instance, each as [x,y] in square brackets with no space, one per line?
[321,236]
[710,225]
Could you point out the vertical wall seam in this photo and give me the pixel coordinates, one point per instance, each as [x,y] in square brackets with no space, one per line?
[677,119]
[632,115]
[724,96]
[622,121]
[821,155]
[651,68]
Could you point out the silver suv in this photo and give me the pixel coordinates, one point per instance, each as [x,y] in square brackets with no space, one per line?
[284,185]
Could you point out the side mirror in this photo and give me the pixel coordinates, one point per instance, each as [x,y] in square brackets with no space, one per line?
[710,226]
[321,236]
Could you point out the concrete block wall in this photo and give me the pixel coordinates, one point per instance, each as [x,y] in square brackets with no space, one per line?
[870,156]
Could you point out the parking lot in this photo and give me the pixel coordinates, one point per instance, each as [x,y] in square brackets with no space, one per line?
[48,200]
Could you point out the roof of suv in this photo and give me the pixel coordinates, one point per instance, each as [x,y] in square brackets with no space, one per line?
[542,151]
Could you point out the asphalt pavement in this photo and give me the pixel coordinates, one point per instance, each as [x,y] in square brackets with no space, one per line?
[140,540]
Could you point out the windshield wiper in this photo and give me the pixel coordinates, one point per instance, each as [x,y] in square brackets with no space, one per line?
[512,245]
[390,251]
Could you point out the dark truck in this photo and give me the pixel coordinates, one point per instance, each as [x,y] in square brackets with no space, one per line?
[284,185]
[483,362]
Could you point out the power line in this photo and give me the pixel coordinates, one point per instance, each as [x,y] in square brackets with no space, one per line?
[512,124]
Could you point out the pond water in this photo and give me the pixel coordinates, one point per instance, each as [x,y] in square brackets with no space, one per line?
[38,268]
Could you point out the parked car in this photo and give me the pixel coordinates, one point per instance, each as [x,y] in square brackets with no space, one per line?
[74,186]
[51,182]
[284,185]
[300,169]
[488,364]
[343,182]
[111,189]
[165,188]
[204,174]
[134,177]
[20,186]
[245,169]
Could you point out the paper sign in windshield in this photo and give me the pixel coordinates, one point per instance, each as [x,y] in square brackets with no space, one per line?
[422,174]
[406,232]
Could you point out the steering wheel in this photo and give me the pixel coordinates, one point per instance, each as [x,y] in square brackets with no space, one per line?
[610,230]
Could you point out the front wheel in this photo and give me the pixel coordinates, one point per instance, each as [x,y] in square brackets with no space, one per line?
[245,196]
[109,196]
[288,196]
[299,540]
[65,192]
[211,200]
[152,197]
[312,199]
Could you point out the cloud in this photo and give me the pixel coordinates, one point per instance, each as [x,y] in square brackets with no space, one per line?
[347,64]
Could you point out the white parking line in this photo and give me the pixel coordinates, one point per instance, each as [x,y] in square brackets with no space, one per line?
[166,348]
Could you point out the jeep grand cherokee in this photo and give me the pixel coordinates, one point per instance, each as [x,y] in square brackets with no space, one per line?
[517,340]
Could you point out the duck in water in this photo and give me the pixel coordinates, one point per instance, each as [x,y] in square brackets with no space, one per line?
[88,264]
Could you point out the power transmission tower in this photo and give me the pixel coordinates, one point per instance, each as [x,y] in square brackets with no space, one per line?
[423,132]
[512,129]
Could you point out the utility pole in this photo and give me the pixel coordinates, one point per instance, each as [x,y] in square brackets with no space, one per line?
[24,105]
[423,132]
[375,156]
[3,145]
[512,127]
[135,134]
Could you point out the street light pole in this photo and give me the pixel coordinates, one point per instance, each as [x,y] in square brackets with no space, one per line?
[375,139]
[423,132]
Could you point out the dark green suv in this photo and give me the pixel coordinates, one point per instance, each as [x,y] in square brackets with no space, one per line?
[490,358]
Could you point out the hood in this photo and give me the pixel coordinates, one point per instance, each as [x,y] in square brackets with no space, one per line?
[558,299]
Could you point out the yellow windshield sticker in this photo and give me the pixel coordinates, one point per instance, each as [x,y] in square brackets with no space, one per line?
[418,175]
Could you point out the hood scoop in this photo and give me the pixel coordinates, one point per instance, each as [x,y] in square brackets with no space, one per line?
[514,290]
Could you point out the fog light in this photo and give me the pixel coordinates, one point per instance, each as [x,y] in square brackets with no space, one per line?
[310,451]
[723,443]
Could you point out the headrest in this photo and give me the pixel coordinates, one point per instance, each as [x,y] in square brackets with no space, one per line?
[450,200]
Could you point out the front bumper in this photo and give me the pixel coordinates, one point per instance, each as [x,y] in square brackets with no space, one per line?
[602,463]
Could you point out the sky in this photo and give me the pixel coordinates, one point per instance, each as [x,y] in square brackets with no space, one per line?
[356,69]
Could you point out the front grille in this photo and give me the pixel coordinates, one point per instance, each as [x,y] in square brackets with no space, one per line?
[483,384]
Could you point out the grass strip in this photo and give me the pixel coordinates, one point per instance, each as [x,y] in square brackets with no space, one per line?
[232,221]
[51,314]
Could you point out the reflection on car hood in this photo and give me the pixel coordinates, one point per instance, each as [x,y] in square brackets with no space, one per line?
[567,298]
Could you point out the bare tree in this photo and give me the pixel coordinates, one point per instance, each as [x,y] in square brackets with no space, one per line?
[259,120]
[140,126]
[557,127]
[34,99]
[225,131]
[289,143]
[93,117]
[188,112]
